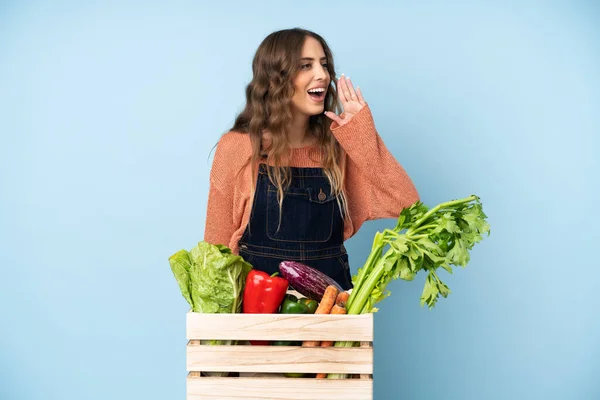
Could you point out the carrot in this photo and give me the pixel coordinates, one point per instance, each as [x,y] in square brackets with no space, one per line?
[328,343]
[338,309]
[328,300]
[325,305]
[342,299]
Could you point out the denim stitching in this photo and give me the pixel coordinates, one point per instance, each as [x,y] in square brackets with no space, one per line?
[281,249]
[295,241]
[268,255]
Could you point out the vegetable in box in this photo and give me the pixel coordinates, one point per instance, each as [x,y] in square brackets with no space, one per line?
[211,279]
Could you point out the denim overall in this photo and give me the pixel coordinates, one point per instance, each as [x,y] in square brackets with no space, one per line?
[311,230]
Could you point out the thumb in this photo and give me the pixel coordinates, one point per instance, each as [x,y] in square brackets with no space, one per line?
[333,117]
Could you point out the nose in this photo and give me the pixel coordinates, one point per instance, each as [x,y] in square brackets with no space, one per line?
[321,73]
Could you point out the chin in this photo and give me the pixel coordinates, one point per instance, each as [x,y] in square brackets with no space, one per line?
[315,110]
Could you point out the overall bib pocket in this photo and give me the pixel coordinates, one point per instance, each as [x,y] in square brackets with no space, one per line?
[307,215]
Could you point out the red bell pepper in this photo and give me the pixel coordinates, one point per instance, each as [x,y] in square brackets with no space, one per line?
[263,294]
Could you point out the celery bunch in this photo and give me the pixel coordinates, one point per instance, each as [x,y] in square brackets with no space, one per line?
[434,238]
[423,240]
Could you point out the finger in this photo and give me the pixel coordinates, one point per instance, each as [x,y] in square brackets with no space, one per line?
[340,90]
[333,117]
[344,87]
[353,95]
[361,100]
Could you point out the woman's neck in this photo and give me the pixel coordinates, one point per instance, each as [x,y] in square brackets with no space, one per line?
[298,133]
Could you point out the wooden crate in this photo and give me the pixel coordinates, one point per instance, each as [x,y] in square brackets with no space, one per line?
[244,359]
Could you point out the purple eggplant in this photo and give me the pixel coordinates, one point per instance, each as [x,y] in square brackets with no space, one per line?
[306,280]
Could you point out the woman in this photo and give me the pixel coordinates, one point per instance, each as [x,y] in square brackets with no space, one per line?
[292,180]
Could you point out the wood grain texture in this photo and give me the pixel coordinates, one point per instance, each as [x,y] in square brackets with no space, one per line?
[260,368]
[279,327]
[279,359]
[366,375]
[207,388]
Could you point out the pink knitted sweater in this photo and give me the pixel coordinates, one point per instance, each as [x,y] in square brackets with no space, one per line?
[377,186]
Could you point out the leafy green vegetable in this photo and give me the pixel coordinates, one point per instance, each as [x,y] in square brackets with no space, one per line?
[422,240]
[211,278]
[432,238]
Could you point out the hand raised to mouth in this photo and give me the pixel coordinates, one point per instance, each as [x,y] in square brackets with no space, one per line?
[351,100]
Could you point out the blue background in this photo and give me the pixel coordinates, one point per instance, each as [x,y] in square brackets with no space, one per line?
[108,113]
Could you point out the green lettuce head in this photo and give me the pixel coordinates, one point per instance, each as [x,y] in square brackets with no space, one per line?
[211,278]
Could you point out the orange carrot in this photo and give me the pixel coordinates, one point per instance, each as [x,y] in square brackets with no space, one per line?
[328,300]
[325,306]
[328,343]
[342,299]
[338,309]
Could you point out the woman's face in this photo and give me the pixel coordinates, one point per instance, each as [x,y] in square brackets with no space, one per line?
[313,74]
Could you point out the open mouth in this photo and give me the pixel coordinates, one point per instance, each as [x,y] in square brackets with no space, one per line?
[317,95]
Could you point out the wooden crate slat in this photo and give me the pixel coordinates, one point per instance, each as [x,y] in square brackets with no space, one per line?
[367,375]
[279,327]
[280,359]
[209,388]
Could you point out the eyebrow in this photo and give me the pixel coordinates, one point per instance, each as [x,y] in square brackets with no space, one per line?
[311,59]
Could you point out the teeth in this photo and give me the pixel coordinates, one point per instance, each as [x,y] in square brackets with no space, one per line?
[317,90]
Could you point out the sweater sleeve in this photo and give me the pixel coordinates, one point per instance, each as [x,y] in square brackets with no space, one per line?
[219,226]
[385,187]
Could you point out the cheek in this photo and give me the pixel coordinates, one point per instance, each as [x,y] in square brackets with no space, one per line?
[300,85]
[298,93]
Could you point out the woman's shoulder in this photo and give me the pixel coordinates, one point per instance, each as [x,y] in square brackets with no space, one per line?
[235,145]
[234,138]
[232,151]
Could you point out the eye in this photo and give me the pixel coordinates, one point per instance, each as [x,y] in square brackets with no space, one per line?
[306,66]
